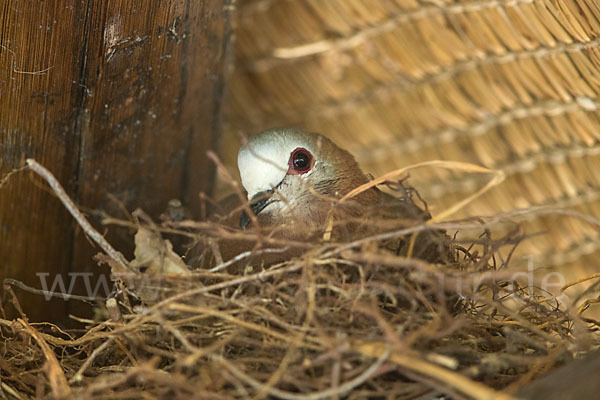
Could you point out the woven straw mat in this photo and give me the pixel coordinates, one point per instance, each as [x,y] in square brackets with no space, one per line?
[510,85]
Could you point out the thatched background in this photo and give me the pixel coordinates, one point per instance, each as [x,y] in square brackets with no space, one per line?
[511,85]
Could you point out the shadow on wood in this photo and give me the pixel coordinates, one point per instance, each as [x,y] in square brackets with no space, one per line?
[117,97]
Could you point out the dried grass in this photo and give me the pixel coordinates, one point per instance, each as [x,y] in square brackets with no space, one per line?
[350,320]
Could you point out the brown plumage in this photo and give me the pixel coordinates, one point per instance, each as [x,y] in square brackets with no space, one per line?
[294,181]
[577,380]
[299,202]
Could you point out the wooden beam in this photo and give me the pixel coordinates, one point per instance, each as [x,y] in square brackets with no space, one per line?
[114,97]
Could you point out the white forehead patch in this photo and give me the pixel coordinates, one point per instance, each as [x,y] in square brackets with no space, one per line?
[263,160]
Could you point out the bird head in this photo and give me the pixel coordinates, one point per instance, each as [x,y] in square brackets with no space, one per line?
[293,175]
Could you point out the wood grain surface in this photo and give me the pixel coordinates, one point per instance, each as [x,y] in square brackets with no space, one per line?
[116,98]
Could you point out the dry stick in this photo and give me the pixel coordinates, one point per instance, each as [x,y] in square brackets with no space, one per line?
[113,310]
[583,306]
[578,281]
[452,165]
[56,376]
[79,375]
[191,359]
[146,315]
[10,391]
[463,384]
[498,178]
[479,224]
[206,289]
[226,317]
[281,369]
[6,177]
[297,341]
[64,296]
[79,217]
[340,390]
[223,232]
[15,301]
[245,255]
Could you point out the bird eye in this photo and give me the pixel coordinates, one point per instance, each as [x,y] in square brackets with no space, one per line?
[300,161]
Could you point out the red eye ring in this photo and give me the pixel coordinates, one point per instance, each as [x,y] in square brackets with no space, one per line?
[301,161]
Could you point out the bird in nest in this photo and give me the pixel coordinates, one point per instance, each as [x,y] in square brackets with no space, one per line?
[295,181]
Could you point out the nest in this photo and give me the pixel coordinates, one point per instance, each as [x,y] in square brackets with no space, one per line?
[338,319]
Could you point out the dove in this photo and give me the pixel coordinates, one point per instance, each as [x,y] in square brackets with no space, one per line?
[294,180]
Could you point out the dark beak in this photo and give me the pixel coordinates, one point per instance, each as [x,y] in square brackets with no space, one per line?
[257,203]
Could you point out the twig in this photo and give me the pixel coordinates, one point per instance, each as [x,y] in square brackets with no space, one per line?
[395,174]
[207,289]
[237,321]
[56,376]
[79,217]
[340,390]
[10,391]
[246,254]
[48,293]
[578,281]
[498,177]
[465,385]
[79,375]
[487,222]
[14,300]
[295,344]
[113,310]
[6,177]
